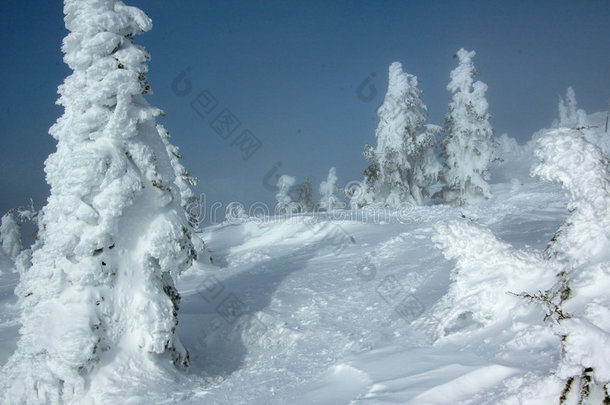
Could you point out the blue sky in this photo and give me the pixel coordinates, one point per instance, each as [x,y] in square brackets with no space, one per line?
[289,72]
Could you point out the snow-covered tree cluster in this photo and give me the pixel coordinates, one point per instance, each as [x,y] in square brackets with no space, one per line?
[404,166]
[113,236]
[570,116]
[98,297]
[292,198]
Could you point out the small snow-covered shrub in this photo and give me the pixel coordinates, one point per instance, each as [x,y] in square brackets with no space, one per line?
[581,247]
[487,269]
[11,245]
[10,236]
[570,280]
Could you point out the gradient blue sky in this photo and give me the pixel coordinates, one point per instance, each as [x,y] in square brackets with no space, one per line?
[290,70]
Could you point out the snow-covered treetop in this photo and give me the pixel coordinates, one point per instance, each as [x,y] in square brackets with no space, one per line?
[462,76]
[402,112]
[467,91]
[583,169]
[90,17]
[108,69]
[578,165]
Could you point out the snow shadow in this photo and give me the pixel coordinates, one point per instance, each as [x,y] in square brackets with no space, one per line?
[220,320]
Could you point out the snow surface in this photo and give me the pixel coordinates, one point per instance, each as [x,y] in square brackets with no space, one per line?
[348,311]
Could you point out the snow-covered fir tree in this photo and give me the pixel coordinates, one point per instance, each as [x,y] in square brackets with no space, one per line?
[468,143]
[570,116]
[400,170]
[304,196]
[285,203]
[328,189]
[113,236]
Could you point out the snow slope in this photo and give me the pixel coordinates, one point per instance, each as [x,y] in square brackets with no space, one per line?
[306,310]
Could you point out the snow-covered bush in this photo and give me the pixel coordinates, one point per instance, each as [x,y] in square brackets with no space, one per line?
[285,204]
[581,247]
[569,280]
[486,270]
[583,170]
[328,189]
[468,144]
[401,169]
[10,236]
[11,245]
[113,236]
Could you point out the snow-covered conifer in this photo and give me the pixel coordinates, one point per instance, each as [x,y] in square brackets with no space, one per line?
[285,204]
[113,236]
[570,116]
[395,175]
[304,198]
[328,190]
[468,144]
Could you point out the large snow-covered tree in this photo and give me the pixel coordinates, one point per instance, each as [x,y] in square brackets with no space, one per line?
[400,169]
[113,236]
[468,143]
